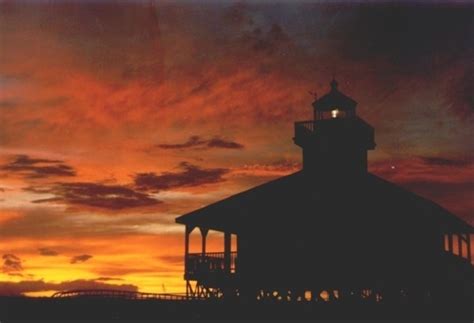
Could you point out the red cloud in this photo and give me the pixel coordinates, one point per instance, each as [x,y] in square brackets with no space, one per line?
[198,142]
[190,176]
[112,197]
[11,264]
[80,258]
[37,168]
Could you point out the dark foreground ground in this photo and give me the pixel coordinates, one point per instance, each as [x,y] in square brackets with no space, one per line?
[18,309]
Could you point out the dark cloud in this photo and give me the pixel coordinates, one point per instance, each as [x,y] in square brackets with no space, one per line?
[47,252]
[11,264]
[281,165]
[237,15]
[97,30]
[438,161]
[37,168]
[411,37]
[190,176]
[198,142]
[19,288]
[203,87]
[50,102]
[221,143]
[8,104]
[80,258]
[460,93]
[104,279]
[269,42]
[114,197]
[193,141]
[129,268]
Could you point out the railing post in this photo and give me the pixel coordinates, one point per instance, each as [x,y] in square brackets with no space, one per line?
[227,249]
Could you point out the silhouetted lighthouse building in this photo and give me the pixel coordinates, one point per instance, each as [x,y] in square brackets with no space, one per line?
[337,140]
[332,231]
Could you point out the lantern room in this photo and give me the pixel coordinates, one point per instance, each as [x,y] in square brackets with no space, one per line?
[336,141]
[334,105]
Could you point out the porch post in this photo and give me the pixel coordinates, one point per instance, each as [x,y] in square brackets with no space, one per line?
[468,241]
[443,242]
[187,232]
[227,249]
[450,242]
[204,236]
[459,245]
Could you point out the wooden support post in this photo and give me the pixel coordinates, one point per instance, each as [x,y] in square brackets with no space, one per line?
[187,232]
[237,243]
[227,250]
[468,241]
[204,237]
[186,242]
[189,289]
[240,251]
[459,245]
[450,242]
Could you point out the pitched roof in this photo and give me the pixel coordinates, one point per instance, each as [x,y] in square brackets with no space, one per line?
[298,199]
[334,99]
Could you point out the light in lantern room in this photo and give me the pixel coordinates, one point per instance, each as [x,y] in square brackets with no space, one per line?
[334,113]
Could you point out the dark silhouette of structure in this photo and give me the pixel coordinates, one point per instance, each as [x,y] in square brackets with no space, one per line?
[331,232]
[120,294]
[330,241]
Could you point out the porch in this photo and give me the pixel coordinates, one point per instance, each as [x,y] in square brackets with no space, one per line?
[211,271]
[200,266]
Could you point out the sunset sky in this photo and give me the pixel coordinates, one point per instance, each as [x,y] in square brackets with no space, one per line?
[116,117]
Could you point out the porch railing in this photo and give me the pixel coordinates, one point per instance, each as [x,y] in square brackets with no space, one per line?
[198,264]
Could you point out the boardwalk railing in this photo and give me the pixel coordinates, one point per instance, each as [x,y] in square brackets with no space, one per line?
[105,293]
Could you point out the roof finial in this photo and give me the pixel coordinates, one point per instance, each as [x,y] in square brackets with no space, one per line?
[334,84]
